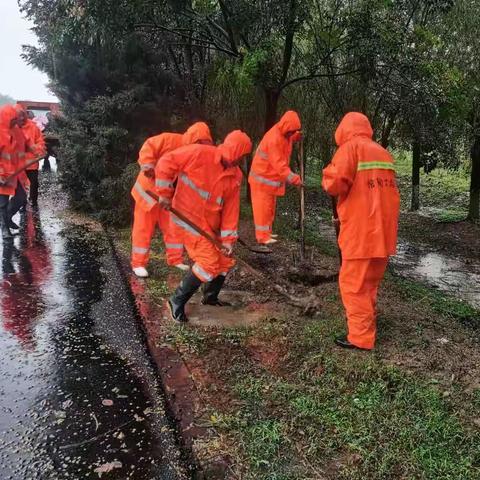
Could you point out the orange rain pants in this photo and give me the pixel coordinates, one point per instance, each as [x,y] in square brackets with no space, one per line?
[209,262]
[264,212]
[359,281]
[142,233]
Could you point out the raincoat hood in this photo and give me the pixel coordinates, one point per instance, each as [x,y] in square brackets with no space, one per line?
[235,146]
[197,132]
[353,124]
[19,108]
[7,114]
[289,122]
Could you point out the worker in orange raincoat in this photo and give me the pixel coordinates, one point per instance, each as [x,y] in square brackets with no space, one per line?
[8,164]
[24,151]
[362,177]
[36,149]
[148,213]
[271,171]
[208,193]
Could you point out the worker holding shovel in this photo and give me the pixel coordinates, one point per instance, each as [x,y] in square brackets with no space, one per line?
[271,171]
[208,193]
[362,178]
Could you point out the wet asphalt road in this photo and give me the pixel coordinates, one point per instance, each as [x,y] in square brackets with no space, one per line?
[78,396]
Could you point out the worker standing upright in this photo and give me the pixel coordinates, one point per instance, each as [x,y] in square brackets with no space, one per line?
[8,164]
[35,149]
[208,193]
[148,213]
[271,171]
[362,178]
[19,199]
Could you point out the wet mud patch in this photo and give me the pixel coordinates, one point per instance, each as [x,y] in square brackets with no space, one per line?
[243,312]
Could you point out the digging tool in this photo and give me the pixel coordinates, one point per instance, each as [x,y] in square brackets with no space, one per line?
[336,224]
[19,171]
[307,304]
[205,234]
[302,203]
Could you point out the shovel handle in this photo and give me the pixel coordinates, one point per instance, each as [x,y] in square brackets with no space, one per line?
[7,180]
[302,201]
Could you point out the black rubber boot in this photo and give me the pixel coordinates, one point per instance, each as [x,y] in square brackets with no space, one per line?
[211,291]
[176,303]
[4,221]
[344,343]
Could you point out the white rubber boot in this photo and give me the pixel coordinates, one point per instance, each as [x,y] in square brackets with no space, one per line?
[270,241]
[274,235]
[140,272]
[182,266]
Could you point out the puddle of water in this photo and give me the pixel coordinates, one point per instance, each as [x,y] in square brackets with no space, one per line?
[448,274]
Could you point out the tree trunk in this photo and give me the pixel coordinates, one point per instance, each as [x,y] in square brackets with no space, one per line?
[271,105]
[416,164]
[474,206]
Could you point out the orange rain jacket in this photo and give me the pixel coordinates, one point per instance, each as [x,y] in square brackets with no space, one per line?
[207,192]
[35,143]
[151,152]
[270,167]
[8,149]
[362,176]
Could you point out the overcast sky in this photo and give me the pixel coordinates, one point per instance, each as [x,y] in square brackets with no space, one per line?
[18,79]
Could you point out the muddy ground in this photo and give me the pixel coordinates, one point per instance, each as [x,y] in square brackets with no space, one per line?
[283,402]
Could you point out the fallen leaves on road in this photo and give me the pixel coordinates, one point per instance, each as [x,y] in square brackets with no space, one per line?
[108,467]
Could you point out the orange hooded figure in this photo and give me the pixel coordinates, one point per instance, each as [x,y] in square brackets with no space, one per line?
[362,177]
[208,193]
[8,149]
[35,148]
[147,212]
[271,171]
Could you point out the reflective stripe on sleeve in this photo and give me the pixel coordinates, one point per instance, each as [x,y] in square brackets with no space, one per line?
[219,201]
[266,181]
[290,177]
[141,250]
[202,273]
[228,233]
[144,194]
[6,156]
[262,154]
[176,246]
[147,166]
[203,193]
[185,226]
[163,183]
[375,166]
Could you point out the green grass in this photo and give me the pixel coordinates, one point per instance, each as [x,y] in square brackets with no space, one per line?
[443,193]
[380,422]
[439,302]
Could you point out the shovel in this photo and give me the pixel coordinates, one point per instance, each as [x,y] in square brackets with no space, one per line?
[302,203]
[337,226]
[7,180]
[205,234]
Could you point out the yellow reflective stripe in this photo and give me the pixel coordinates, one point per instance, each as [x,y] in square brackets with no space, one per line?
[375,166]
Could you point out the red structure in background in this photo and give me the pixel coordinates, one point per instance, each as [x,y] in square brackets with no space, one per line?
[46,106]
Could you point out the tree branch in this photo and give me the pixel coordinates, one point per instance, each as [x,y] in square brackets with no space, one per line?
[317,75]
